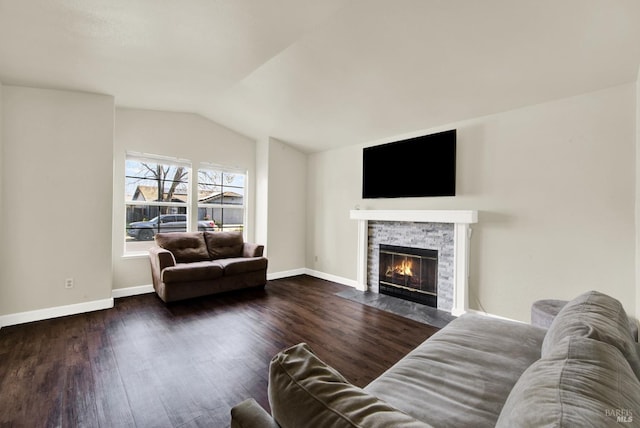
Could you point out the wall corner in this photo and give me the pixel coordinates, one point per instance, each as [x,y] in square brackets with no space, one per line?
[637,200]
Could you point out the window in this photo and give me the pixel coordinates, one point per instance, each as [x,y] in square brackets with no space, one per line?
[158,199]
[221,198]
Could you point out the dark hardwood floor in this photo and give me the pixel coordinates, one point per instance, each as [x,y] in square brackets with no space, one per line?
[146,364]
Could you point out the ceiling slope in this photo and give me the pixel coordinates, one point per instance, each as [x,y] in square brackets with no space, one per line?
[324,74]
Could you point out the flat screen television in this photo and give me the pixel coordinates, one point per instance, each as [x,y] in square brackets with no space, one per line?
[417,167]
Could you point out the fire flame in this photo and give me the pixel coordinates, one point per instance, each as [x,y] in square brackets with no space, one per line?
[402,268]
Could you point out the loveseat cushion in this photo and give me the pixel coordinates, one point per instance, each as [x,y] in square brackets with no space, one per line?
[596,316]
[305,392]
[238,265]
[186,247]
[196,271]
[582,382]
[222,245]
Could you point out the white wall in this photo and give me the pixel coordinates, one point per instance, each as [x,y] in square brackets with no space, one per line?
[334,188]
[262,192]
[2,297]
[281,177]
[554,185]
[180,135]
[56,203]
[287,184]
[637,314]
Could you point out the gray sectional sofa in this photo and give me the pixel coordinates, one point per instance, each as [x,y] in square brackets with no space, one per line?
[476,372]
[193,264]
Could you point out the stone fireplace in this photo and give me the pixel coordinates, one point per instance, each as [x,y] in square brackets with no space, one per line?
[437,237]
[409,273]
[444,234]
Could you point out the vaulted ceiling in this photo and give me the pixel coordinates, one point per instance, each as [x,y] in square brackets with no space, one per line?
[322,74]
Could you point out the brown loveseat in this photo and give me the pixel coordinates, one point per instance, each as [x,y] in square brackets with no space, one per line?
[193,264]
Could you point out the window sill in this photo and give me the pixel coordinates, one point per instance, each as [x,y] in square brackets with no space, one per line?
[136,255]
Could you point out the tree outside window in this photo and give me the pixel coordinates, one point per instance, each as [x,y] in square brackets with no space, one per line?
[158,199]
[221,198]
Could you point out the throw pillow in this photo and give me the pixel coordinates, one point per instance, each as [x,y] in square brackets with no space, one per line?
[186,247]
[223,245]
[305,392]
[596,316]
[582,383]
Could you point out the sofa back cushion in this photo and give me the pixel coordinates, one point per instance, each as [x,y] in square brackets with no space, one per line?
[596,316]
[582,382]
[186,247]
[223,245]
[305,392]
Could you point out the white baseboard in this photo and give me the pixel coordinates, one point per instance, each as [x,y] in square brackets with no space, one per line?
[285,274]
[475,311]
[333,278]
[131,291]
[78,308]
[315,274]
[55,312]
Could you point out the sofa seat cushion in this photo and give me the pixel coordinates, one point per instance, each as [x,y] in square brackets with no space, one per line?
[222,245]
[305,392]
[596,316]
[186,247]
[582,382]
[238,265]
[187,272]
[462,375]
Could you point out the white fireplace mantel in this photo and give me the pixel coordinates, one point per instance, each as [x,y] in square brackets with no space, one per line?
[462,219]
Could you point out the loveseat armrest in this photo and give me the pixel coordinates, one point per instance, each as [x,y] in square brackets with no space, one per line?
[161,258]
[249,414]
[252,250]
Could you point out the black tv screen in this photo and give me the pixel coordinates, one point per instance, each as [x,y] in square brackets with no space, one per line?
[417,167]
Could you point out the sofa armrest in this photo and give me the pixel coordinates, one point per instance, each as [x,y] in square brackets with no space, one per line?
[249,414]
[252,250]
[161,258]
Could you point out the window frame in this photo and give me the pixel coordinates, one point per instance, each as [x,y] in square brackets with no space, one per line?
[222,206]
[187,205]
[191,206]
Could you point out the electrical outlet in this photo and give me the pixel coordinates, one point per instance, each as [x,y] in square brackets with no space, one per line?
[68,283]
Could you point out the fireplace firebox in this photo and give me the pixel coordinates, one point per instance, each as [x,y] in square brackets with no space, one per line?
[409,273]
